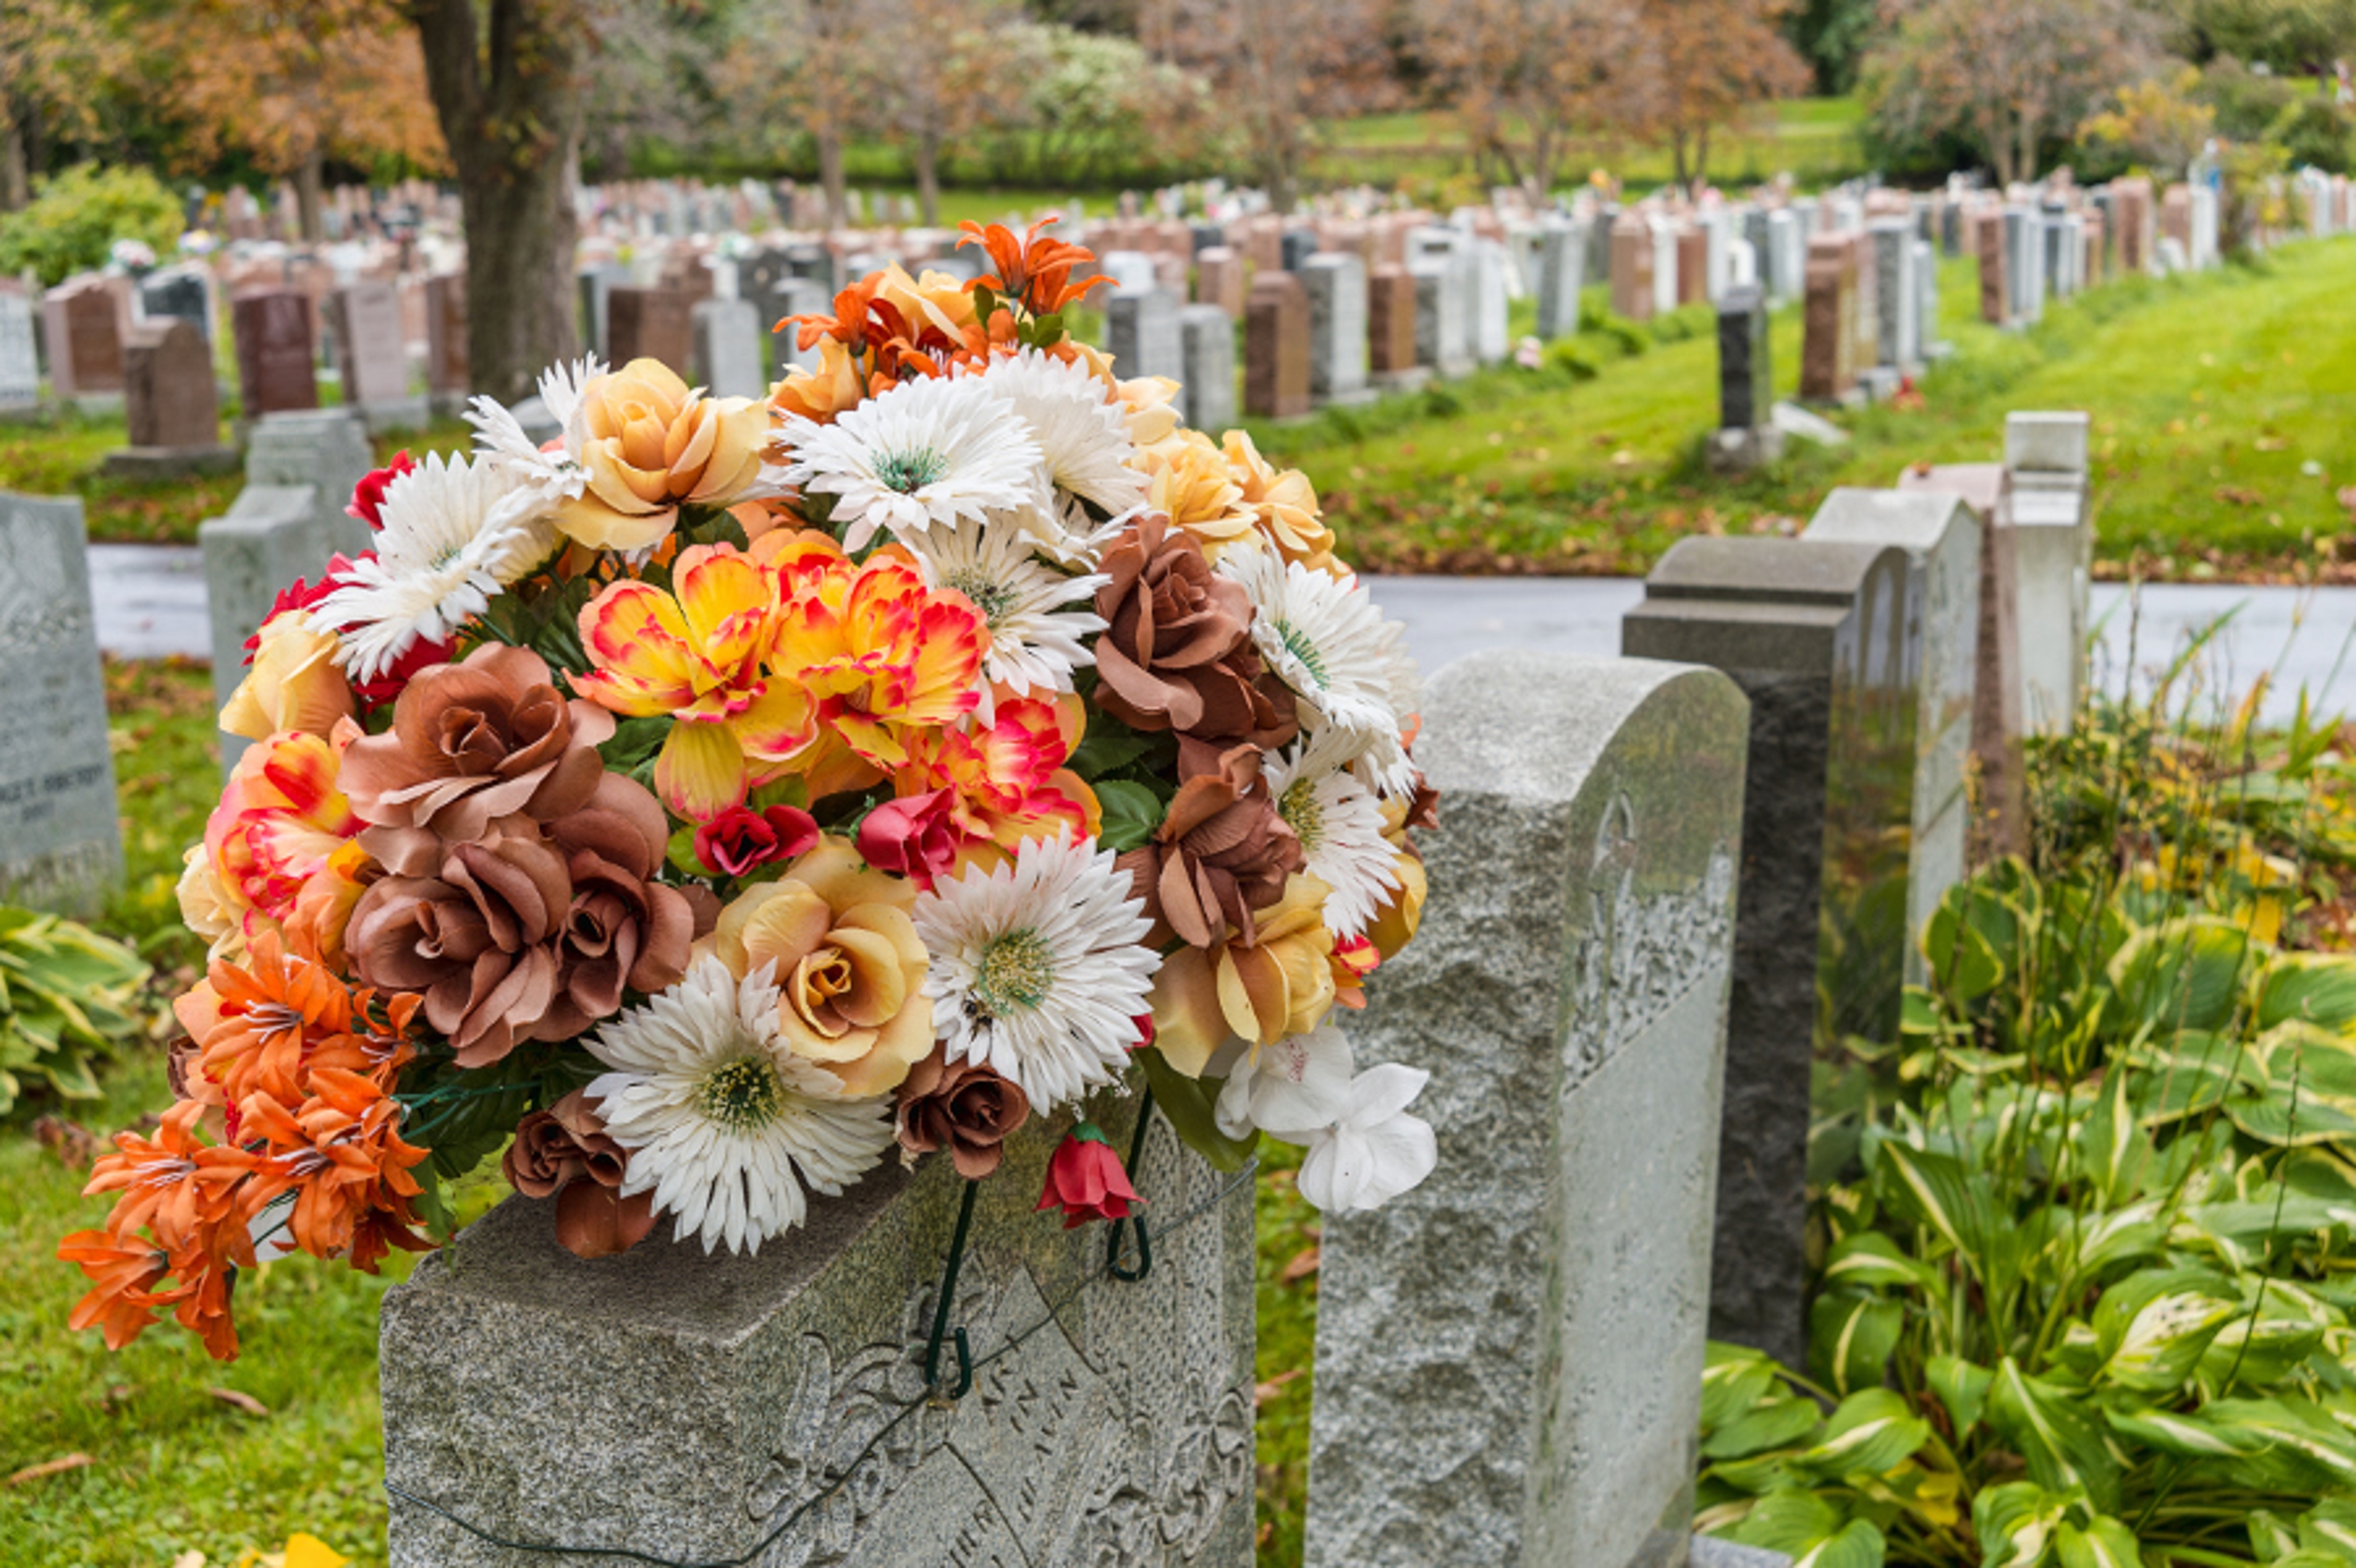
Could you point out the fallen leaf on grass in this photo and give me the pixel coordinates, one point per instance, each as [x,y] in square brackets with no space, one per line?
[1268,1391]
[2234,496]
[50,1467]
[245,1402]
[73,1144]
[1302,1265]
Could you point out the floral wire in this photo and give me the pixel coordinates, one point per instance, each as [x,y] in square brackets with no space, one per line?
[1113,1264]
[1013,1342]
[948,1295]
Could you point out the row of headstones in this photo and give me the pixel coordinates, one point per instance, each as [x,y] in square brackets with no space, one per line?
[1641,867]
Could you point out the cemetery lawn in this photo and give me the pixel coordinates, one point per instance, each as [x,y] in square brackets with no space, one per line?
[2224,425]
[174,1466]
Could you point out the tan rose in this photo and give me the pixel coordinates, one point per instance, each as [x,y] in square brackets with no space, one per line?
[818,395]
[649,446]
[1284,505]
[935,299]
[294,684]
[848,962]
[1194,484]
[1282,984]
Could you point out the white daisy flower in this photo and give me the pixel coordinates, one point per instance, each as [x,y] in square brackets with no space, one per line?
[455,535]
[928,451]
[1081,430]
[1039,968]
[500,439]
[1339,822]
[724,1123]
[1035,640]
[1324,638]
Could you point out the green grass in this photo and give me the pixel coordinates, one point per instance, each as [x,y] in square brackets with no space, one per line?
[2209,396]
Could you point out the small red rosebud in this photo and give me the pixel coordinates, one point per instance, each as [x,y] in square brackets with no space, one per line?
[741,839]
[1085,1180]
[915,836]
[367,496]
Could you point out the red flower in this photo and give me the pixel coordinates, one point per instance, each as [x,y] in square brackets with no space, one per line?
[1085,1180]
[367,496]
[916,836]
[740,840]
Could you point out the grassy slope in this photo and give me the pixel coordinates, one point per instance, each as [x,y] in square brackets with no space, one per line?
[2209,395]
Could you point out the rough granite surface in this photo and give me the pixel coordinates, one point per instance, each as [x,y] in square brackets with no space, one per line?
[692,1407]
[1508,1357]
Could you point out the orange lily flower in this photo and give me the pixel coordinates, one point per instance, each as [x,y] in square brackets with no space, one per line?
[1032,270]
[176,1185]
[123,1272]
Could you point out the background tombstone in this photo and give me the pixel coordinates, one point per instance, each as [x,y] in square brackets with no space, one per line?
[1995,289]
[1142,333]
[1509,1357]
[1942,538]
[1631,266]
[1485,261]
[60,841]
[1391,361]
[727,361]
[20,363]
[2000,824]
[1930,346]
[686,1404]
[649,324]
[1276,347]
[1444,328]
[171,405]
[1207,339]
[1746,434]
[1815,633]
[2054,553]
[1896,298]
[365,319]
[85,320]
[1336,285]
[1562,256]
[179,292]
[275,359]
[1827,340]
[597,285]
[448,377]
[1219,279]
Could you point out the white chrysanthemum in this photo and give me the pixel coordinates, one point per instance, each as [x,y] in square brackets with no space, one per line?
[455,534]
[725,1125]
[1039,967]
[1324,638]
[1340,825]
[1081,430]
[500,439]
[1034,638]
[928,451]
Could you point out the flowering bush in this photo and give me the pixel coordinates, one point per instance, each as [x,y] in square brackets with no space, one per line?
[706,804]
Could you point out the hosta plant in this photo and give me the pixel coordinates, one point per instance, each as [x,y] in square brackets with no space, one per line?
[66,996]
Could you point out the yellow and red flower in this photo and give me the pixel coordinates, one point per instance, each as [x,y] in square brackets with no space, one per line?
[1005,783]
[282,821]
[884,656]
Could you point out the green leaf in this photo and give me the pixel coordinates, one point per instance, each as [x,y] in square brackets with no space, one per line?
[1763,1430]
[2153,1326]
[2016,1523]
[2181,1435]
[1961,1388]
[1872,1431]
[2048,1427]
[1856,1544]
[1130,814]
[2318,988]
[1962,959]
[1850,1338]
[1932,1189]
[2329,1529]
[1108,746]
[1870,1260]
[1188,1103]
[69,1073]
[2105,1543]
[2182,974]
[1734,1378]
[634,743]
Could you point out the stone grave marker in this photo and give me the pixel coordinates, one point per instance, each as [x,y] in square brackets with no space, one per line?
[1746,434]
[2024,263]
[1276,347]
[275,360]
[1815,633]
[2053,548]
[1896,298]
[649,324]
[1562,256]
[85,320]
[1995,289]
[20,362]
[1295,247]
[448,380]
[1931,346]
[171,405]
[1219,279]
[60,843]
[1485,264]
[1142,333]
[1391,357]
[693,1405]
[365,319]
[1632,267]
[1132,272]
[1666,266]
[1206,338]
[727,361]
[1941,538]
[597,285]
[179,292]
[1828,322]
[1509,1357]
[1693,266]
[1443,329]
[1335,282]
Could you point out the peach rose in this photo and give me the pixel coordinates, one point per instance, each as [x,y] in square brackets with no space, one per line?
[649,445]
[294,684]
[1282,984]
[848,962]
[819,395]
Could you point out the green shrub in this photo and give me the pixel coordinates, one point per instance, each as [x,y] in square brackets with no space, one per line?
[74,216]
[66,998]
[1564,354]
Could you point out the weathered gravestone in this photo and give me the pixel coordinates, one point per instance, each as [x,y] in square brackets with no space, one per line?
[1509,1357]
[597,284]
[274,355]
[727,361]
[365,317]
[1142,333]
[2054,548]
[1206,337]
[1941,538]
[2024,264]
[1631,266]
[20,363]
[1219,279]
[1391,360]
[171,405]
[449,379]
[1485,261]
[1666,271]
[1336,285]
[60,845]
[180,292]
[1746,434]
[1926,304]
[1815,633]
[1443,327]
[691,1406]
[1562,256]
[1276,347]
[85,320]
[1897,299]
[649,324]
[1828,354]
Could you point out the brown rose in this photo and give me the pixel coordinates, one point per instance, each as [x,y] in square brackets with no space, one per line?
[965,1107]
[471,742]
[621,927]
[1176,652]
[1221,852]
[564,1153]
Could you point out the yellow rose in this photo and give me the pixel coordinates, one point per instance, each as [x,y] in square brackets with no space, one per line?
[1282,984]
[1147,404]
[1282,504]
[819,395]
[848,962]
[1192,483]
[651,445]
[205,906]
[935,297]
[294,684]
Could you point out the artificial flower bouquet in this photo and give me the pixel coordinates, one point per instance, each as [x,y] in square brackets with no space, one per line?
[730,794]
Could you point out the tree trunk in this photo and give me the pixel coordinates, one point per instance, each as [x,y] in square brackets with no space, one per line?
[929,176]
[1701,164]
[15,183]
[830,174]
[310,181]
[511,117]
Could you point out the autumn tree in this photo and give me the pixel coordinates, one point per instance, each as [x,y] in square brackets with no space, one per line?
[1698,67]
[54,54]
[815,66]
[953,82]
[292,83]
[2010,77]
[1525,76]
[506,79]
[2157,123]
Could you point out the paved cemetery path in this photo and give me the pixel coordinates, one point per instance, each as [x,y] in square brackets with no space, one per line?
[151,604]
